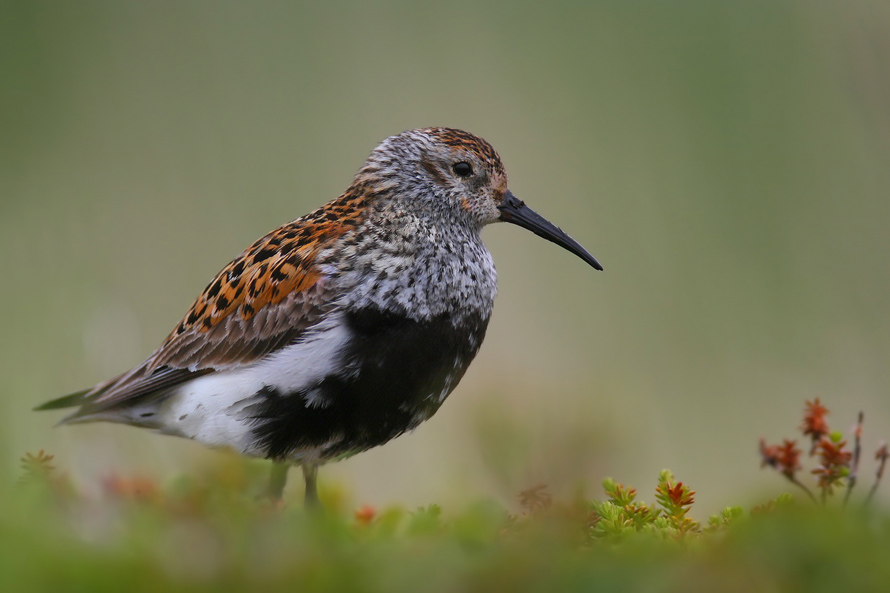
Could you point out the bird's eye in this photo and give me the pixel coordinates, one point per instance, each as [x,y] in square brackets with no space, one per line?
[462,169]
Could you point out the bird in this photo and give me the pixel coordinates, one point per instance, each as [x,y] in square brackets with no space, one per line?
[343,329]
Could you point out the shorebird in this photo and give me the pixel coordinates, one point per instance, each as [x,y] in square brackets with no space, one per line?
[343,329]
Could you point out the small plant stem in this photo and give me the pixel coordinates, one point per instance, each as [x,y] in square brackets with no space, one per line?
[809,492]
[857,450]
[882,455]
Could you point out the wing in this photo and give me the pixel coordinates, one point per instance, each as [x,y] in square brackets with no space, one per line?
[260,302]
[265,299]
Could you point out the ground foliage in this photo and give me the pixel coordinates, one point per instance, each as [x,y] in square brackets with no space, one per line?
[211,531]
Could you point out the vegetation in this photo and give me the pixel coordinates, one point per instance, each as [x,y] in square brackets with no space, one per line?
[212,532]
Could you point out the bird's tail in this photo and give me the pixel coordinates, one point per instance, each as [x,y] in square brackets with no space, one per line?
[78,399]
[67,401]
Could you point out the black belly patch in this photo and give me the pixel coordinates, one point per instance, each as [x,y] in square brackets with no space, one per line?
[393,376]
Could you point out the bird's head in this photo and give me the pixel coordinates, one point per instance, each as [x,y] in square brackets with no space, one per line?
[452,174]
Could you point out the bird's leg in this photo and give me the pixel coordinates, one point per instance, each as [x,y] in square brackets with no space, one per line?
[277,479]
[310,471]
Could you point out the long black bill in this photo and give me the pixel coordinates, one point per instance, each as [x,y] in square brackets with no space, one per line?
[514,210]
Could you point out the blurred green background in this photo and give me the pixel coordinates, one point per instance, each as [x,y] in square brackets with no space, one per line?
[726,161]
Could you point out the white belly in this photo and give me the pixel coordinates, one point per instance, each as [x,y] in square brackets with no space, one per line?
[211,408]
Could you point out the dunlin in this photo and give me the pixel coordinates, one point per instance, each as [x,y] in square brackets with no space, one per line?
[342,329]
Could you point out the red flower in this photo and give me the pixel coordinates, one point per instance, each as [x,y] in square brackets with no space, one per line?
[784,457]
[136,488]
[365,514]
[834,462]
[680,496]
[814,423]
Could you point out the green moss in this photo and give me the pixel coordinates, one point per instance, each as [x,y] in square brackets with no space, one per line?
[212,533]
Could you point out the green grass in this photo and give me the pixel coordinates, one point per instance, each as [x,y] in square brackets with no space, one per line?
[211,531]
